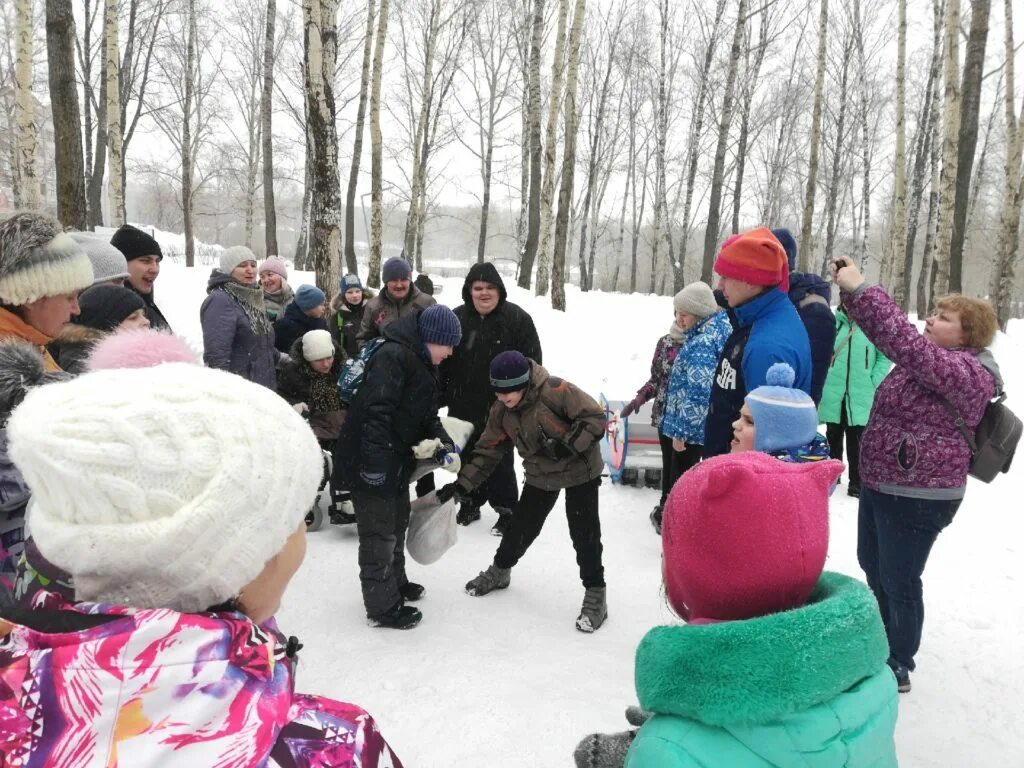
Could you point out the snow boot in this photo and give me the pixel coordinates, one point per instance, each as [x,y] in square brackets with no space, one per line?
[902,676]
[411,591]
[656,519]
[342,512]
[594,610]
[488,581]
[468,513]
[503,523]
[398,617]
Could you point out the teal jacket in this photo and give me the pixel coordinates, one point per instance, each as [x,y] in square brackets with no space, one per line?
[807,688]
[856,371]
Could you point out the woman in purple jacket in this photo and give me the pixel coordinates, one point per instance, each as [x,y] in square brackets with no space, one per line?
[914,459]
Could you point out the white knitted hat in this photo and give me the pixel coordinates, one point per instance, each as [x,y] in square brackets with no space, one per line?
[37,260]
[316,345]
[696,299]
[163,487]
[233,256]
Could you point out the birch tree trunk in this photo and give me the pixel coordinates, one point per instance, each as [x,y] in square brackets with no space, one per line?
[376,148]
[899,214]
[27,136]
[926,275]
[267,133]
[533,221]
[834,182]
[320,19]
[950,138]
[115,189]
[970,107]
[550,151]
[357,146]
[94,189]
[562,224]
[806,248]
[717,176]
[1008,240]
[525,144]
[187,151]
[67,137]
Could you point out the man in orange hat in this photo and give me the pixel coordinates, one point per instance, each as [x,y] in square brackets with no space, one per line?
[754,277]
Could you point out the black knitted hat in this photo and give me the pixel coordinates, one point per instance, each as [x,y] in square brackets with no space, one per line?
[106,306]
[134,243]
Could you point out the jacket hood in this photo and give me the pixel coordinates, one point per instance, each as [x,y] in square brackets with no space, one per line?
[295,352]
[488,273]
[21,368]
[538,375]
[406,331]
[218,279]
[988,362]
[338,303]
[294,312]
[73,333]
[803,283]
[758,670]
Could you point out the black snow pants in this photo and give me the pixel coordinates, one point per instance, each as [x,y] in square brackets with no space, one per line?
[382,523]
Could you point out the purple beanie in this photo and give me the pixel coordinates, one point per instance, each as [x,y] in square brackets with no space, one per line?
[510,372]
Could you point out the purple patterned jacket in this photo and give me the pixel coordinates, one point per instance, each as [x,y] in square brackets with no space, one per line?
[911,445]
[657,385]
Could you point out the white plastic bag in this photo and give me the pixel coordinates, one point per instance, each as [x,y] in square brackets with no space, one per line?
[432,529]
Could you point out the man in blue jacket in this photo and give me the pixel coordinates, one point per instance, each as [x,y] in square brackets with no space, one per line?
[754,274]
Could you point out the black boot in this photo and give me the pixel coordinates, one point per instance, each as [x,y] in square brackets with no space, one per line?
[398,617]
[411,591]
[468,513]
[656,519]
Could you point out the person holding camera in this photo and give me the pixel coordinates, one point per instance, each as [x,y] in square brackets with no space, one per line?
[557,428]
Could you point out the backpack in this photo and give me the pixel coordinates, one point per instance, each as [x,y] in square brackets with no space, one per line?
[354,370]
[995,439]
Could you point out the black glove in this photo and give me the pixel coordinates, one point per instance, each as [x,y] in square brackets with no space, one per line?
[442,451]
[554,449]
[448,492]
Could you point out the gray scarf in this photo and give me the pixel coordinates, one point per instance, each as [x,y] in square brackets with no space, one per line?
[676,332]
[250,299]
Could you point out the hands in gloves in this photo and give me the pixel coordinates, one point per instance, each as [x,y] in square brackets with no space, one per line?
[631,407]
[449,492]
[427,449]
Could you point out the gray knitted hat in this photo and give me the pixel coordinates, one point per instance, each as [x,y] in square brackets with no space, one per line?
[37,259]
[696,299]
[108,263]
[233,256]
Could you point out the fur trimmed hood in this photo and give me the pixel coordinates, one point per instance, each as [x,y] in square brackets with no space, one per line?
[21,368]
[758,670]
[338,301]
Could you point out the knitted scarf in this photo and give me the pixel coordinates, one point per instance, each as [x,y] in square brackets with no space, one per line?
[323,392]
[250,299]
[676,332]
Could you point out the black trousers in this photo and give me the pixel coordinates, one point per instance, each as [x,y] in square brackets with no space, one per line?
[584,528]
[674,463]
[382,523]
[835,433]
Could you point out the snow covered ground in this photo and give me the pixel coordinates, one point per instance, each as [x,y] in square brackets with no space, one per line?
[505,680]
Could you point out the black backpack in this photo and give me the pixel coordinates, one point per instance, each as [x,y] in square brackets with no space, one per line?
[995,440]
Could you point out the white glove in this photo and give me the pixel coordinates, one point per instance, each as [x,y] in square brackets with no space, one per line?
[452,463]
[425,449]
[301,408]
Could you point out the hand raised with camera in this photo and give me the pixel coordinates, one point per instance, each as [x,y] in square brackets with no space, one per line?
[846,275]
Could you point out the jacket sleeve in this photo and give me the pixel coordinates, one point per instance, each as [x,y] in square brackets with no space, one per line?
[332,733]
[945,372]
[367,330]
[586,418]
[698,375]
[880,369]
[529,341]
[650,387]
[487,453]
[656,751]
[218,318]
[289,384]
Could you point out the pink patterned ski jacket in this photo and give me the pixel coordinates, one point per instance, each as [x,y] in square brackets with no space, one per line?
[85,685]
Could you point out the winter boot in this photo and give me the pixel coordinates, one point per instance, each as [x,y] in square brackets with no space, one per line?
[902,676]
[594,611]
[411,591]
[341,511]
[488,581]
[503,523]
[468,513]
[656,519]
[398,617]
[853,490]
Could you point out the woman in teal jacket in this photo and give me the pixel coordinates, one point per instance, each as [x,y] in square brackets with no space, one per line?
[856,371]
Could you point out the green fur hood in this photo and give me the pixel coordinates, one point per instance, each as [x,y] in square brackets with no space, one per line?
[758,670]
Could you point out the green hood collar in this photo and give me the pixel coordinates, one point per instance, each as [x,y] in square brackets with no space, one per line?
[758,670]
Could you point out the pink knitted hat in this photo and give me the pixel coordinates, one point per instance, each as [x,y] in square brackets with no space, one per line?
[745,535]
[275,265]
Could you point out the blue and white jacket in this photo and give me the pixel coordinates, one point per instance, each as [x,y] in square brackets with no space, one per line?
[693,373]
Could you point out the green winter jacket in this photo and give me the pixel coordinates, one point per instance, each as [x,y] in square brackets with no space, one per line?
[807,688]
[856,371]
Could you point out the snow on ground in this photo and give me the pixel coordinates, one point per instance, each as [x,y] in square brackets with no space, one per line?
[505,680]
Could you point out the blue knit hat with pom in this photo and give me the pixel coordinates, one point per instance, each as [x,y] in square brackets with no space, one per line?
[784,417]
[439,325]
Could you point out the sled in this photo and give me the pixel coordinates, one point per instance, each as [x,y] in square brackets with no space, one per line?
[630,446]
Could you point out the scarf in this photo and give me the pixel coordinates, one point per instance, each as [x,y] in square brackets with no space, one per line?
[323,392]
[250,299]
[676,332]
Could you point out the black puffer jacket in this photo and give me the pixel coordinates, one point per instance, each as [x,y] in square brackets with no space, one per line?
[395,408]
[294,324]
[466,374]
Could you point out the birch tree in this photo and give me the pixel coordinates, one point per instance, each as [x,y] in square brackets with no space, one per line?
[533,219]
[67,138]
[115,158]
[357,145]
[807,226]
[27,139]
[899,215]
[376,149]
[950,138]
[266,131]
[568,161]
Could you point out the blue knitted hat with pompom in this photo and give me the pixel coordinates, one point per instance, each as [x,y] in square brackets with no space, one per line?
[784,417]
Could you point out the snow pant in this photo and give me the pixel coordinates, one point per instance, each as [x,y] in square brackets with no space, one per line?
[382,523]
[528,518]
[338,495]
[674,463]
[895,534]
[835,434]
[501,489]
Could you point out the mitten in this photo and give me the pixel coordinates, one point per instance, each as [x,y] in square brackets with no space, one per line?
[301,408]
[426,449]
[448,492]
[632,407]
[603,750]
[637,716]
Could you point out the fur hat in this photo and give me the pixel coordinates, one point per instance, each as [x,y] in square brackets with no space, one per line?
[233,256]
[784,417]
[108,263]
[745,535]
[134,243]
[696,299]
[155,487]
[275,265]
[317,345]
[140,348]
[755,257]
[510,371]
[37,259]
[439,325]
[104,307]
[395,268]
[309,297]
